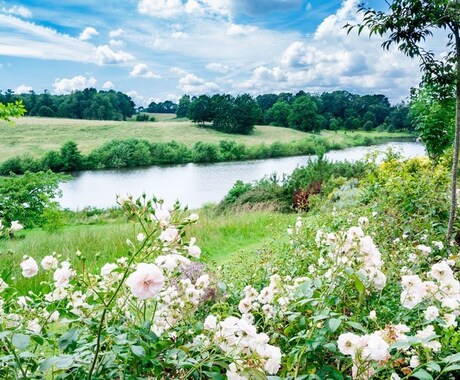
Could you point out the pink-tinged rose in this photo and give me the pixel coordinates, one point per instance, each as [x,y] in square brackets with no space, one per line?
[63,275]
[16,226]
[170,234]
[29,267]
[146,281]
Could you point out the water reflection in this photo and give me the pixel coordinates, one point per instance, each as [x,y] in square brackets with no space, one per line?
[194,184]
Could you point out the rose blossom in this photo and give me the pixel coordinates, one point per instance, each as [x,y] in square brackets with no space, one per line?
[16,226]
[49,262]
[146,281]
[29,267]
[63,275]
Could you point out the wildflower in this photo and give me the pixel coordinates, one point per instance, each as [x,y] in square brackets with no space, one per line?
[63,275]
[194,250]
[438,244]
[49,262]
[349,343]
[450,320]
[376,348]
[210,323]
[3,285]
[170,234]
[441,271]
[372,315]
[162,216]
[107,269]
[425,249]
[193,217]
[15,226]
[431,313]
[363,222]
[146,281]
[34,326]
[140,237]
[29,267]
[414,361]
[122,199]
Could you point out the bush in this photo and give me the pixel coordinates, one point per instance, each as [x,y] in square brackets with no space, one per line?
[143,117]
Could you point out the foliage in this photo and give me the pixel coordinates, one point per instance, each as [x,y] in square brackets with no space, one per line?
[26,198]
[434,119]
[304,115]
[86,104]
[11,110]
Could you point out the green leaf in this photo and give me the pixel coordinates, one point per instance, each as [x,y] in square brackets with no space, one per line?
[21,341]
[138,351]
[214,375]
[38,339]
[359,286]
[434,366]
[68,338]
[422,374]
[48,363]
[452,358]
[453,367]
[334,324]
[357,326]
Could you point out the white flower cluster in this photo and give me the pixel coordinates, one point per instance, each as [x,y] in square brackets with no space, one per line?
[276,296]
[238,338]
[443,287]
[14,227]
[356,250]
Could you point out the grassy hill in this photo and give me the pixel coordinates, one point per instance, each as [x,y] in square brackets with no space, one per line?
[35,136]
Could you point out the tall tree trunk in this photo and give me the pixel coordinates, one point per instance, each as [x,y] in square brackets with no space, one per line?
[453,199]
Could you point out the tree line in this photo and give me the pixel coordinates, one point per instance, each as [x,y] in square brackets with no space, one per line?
[86,104]
[302,111]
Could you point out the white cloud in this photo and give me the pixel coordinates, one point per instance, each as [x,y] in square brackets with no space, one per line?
[116,43]
[141,70]
[19,38]
[218,67]
[105,55]
[66,86]
[88,33]
[175,8]
[18,10]
[193,85]
[108,85]
[116,33]
[178,71]
[177,35]
[240,30]
[332,60]
[23,89]
[138,99]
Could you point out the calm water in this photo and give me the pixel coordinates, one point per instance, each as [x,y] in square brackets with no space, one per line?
[194,184]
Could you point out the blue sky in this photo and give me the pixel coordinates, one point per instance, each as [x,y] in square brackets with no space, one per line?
[160,49]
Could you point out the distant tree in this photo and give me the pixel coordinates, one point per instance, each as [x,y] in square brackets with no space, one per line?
[71,157]
[45,111]
[235,115]
[434,120]
[279,114]
[184,106]
[408,23]
[304,116]
[201,110]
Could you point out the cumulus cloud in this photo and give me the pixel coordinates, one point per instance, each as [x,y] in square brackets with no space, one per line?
[332,60]
[193,85]
[240,30]
[19,38]
[105,55]
[66,86]
[116,43]
[108,85]
[177,35]
[258,7]
[141,70]
[18,10]
[88,33]
[23,89]
[218,67]
[116,33]
[175,8]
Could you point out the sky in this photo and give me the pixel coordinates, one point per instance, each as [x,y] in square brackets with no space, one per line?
[155,50]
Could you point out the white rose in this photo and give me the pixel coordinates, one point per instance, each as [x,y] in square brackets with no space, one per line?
[16,226]
[146,281]
[63,275]
[169,234]
[49,262]
[29,267]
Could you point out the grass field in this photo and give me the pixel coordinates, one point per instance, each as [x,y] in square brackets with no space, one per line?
[222,239]
[37,136]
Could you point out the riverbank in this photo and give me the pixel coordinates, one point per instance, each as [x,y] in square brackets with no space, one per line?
[188,143]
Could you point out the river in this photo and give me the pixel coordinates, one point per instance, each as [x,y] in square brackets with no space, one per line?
[195,184]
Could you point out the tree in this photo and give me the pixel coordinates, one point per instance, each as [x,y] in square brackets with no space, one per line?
[11,110]
[71,157]
[279,114]
[409,23]
[434,120]
[304,116]
[184,106]
[201,110]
